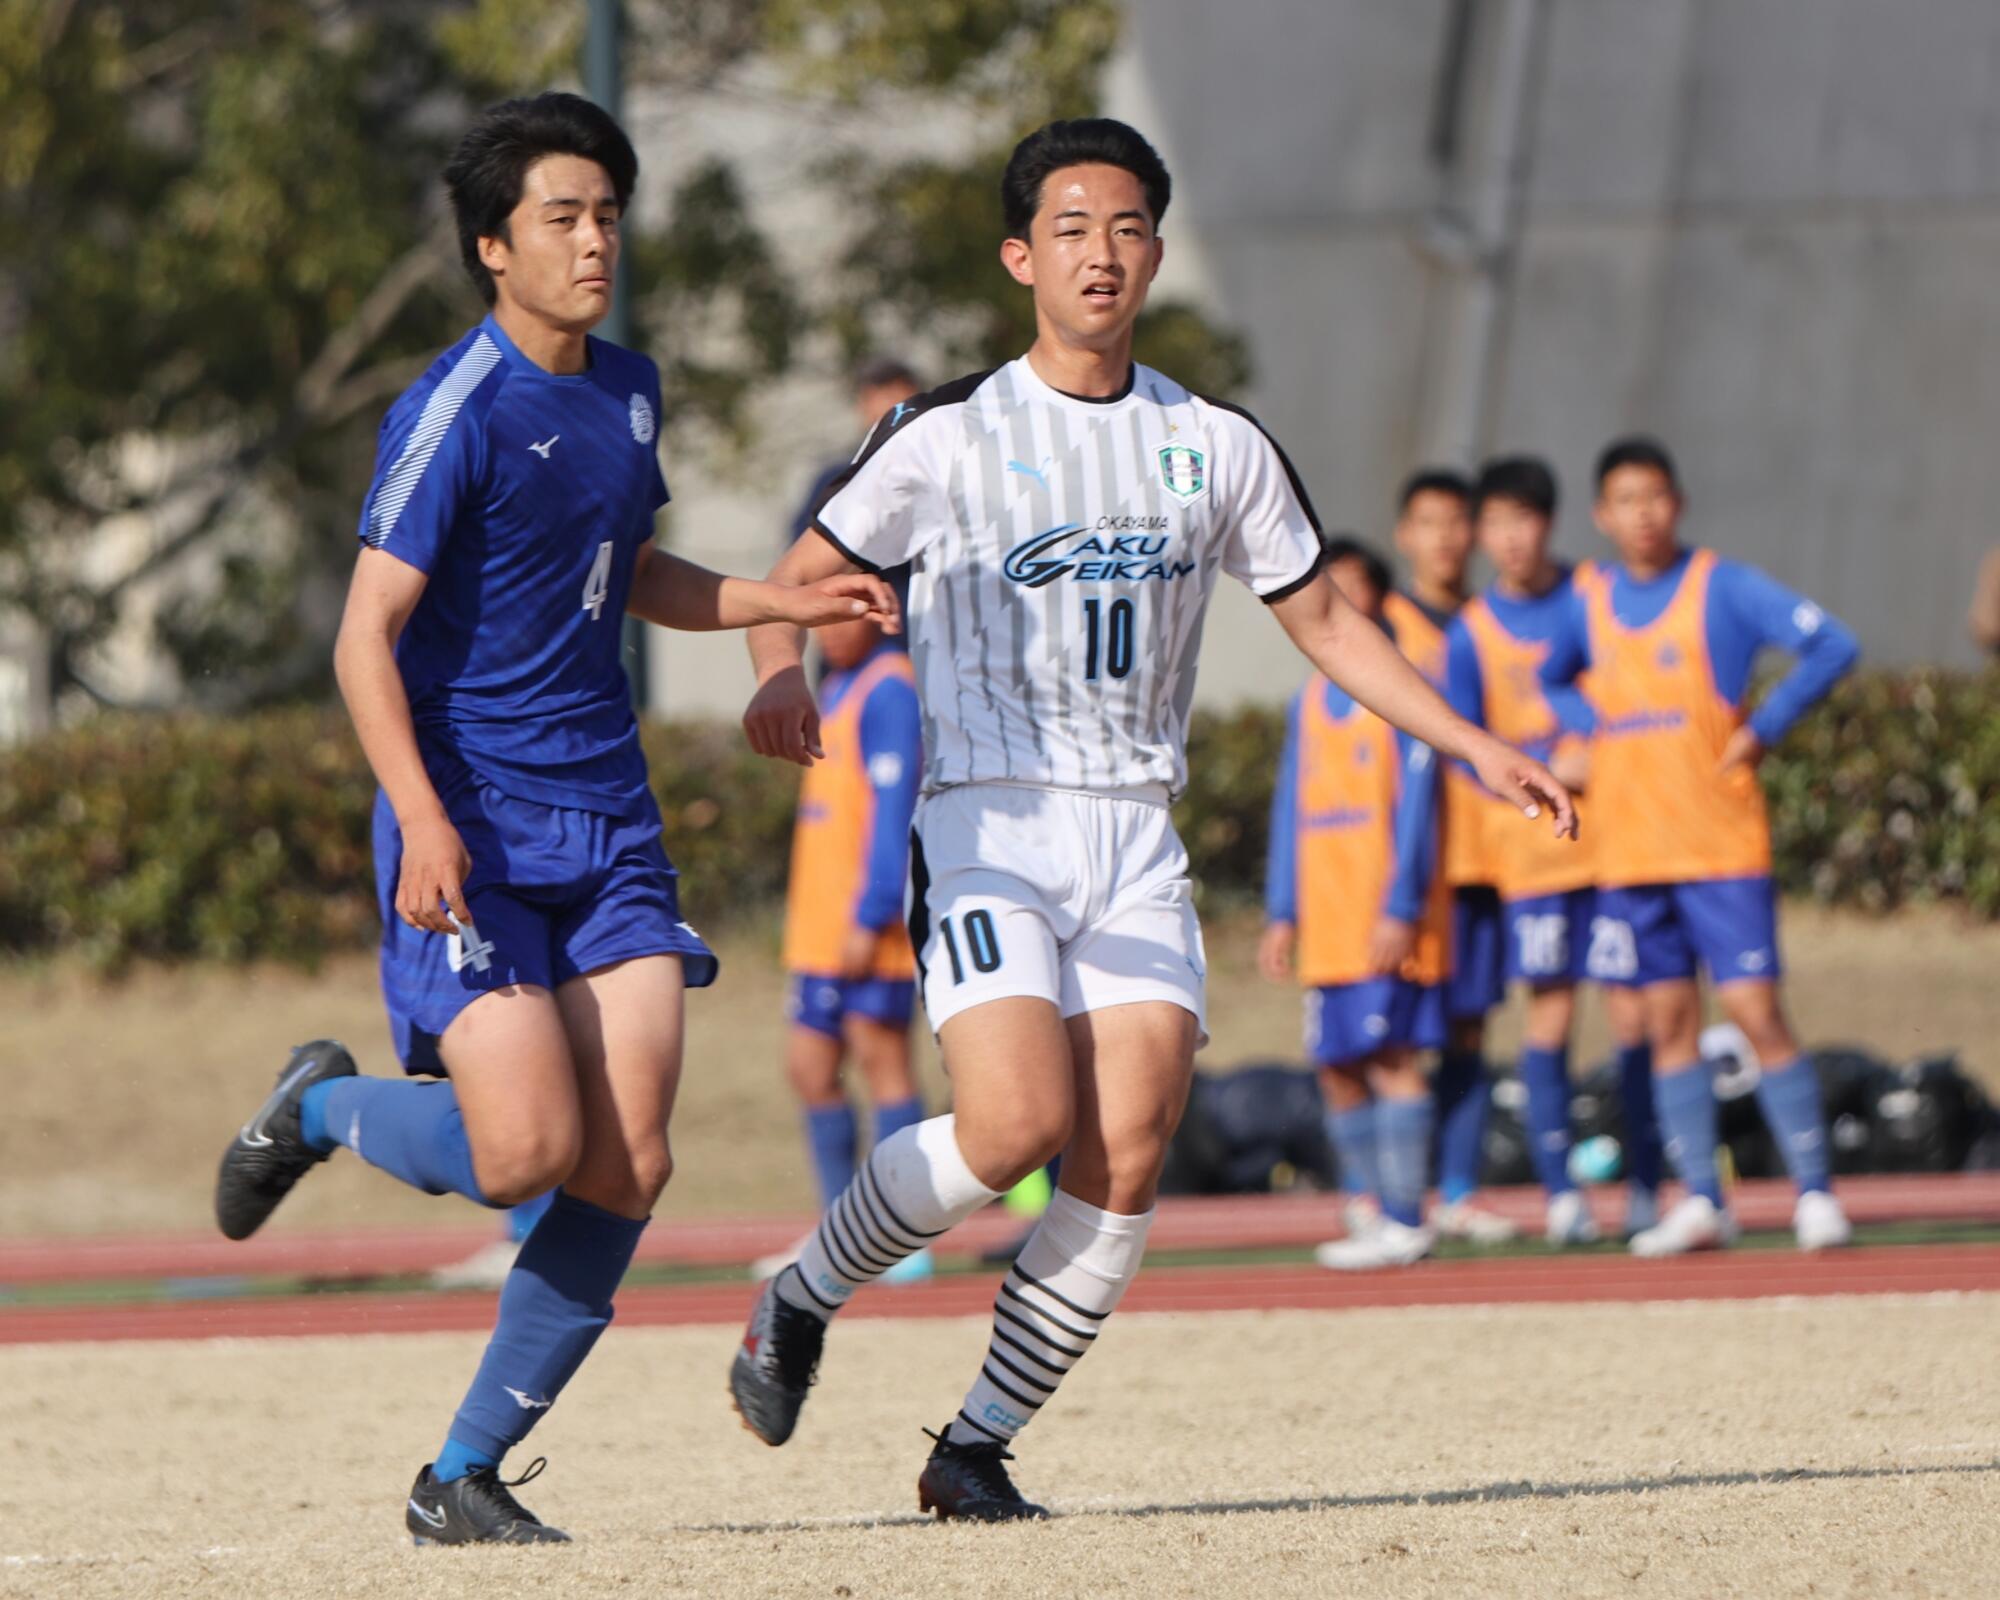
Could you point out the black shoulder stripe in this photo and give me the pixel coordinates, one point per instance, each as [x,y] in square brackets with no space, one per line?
[1291,472]
[956,392]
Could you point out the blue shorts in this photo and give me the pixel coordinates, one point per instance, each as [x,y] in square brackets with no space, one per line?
[1656,932]
[1478,979]
[822,1004]
[1346,1021]
[1548,936]
[554,894]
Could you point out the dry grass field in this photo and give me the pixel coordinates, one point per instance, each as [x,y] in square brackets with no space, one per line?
[120,1095]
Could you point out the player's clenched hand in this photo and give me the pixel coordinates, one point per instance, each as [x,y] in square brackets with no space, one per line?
[783,719]
[1390,945]
[846,597]
[1744,750]
[435,867]
[1274,952]
[1526,784]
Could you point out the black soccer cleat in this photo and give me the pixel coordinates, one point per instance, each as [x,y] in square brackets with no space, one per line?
[969,1482]
[476,1509]
[268,1154]
[775,1365]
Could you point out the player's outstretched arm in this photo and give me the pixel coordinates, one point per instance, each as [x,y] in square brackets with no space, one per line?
[1364,661]
[782,720]
[674,593]
[383,593]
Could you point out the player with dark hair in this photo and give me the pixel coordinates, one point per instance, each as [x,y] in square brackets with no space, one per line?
[1434,535]
[1494,649]
[1065,517]
[533,950]
[1354,904]
[1668,635]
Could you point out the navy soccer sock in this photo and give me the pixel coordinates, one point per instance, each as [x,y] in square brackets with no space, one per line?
[522,1218]
[1545,1075]
[1462,1092]
[1352,1134]
[1643,1156]
[555,1303]
[1686,1103]
[830,1135]
[413,1131]
[892,1116]
[1789,1096]
[1403,1150]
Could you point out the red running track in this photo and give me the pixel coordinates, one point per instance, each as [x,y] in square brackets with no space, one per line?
[1747,1275]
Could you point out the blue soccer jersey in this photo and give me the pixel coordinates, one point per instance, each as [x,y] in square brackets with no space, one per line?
[524,496]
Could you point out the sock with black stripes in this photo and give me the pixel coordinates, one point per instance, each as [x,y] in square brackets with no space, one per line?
[1068,1278]
[913,1187]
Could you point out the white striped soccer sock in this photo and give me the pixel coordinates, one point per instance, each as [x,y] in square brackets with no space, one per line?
[913,1187]
[1069,1277]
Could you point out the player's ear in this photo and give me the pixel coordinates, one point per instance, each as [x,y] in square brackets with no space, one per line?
[493,252]
[1018,260]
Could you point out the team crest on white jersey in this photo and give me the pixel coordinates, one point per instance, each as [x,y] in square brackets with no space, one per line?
[1184,471]
[642,418]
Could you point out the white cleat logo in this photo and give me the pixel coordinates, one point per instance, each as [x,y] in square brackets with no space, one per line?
[543,450]
[435,1518]
[527,1402]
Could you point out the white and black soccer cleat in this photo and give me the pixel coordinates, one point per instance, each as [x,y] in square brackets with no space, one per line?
[775,1365]
[478,1508]
[269,1154]
[969,1483]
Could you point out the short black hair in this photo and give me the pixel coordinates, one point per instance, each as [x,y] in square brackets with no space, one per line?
[485,173]
[1637,450]
[1526,480]
[1075,143]
[1434,480]
[878,372]
[1351,547]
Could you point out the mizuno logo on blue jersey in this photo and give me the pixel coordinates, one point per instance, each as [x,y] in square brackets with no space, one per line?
[1092,557]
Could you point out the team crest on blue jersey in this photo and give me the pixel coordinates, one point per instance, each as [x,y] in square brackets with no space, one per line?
[1184,471]
[642,418]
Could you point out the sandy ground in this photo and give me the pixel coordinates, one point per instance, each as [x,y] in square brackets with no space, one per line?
[1847,1447]
[120,1096]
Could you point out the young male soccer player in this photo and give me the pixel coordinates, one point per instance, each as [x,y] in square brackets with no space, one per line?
[848,953]
[1066,516]
[1351,885]
[1668,635]
[1494,650]
[1434,535]
[533,947]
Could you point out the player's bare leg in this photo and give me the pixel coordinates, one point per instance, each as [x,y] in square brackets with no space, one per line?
[1788,1093]
[1544,1072]
[1686,1103]
[512,1073]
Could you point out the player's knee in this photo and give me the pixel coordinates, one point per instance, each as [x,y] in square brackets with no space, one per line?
[517,1164]
[1003,1155]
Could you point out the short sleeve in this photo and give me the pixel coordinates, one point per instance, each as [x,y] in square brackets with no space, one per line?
[428,465]
[889,505]
[658,494]
[1272,544]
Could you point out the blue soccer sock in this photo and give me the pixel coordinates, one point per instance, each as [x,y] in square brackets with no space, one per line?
[1644,1160]
[1403,1151]
[1352,1134]
[1545,1075]
[892,1116]
[1462,1091]
[1686,1103]
[555,1303]
[830,1135]
[522,1218]
[1789,1096]
[413,1131]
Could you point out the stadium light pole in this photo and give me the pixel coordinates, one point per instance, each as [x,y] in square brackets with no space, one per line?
[604,82]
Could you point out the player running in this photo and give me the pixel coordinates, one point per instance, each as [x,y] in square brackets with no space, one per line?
[533,948]
[1494,649]
[1066,516]
[1668,636]
[1434,536]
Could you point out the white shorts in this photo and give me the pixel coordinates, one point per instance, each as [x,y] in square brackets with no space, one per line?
[1079,899]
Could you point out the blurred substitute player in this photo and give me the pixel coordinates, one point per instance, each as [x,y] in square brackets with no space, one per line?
[1066,517]
[879,385]
[1668,636]
[533,946]
[1494,650]
[1434,536]
[846,949]
[1354,899]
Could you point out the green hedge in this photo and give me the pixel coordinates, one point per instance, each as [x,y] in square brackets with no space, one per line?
[235,840]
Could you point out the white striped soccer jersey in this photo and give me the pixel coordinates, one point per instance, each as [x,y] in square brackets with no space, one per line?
[1062,554]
